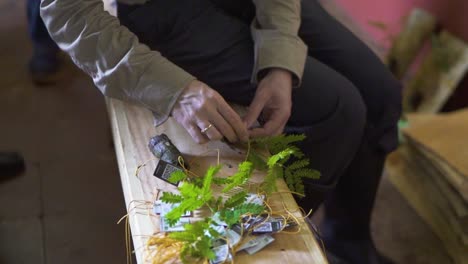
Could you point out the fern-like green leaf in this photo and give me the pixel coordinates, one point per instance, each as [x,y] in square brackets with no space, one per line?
[297,152]
[298,164]
[269,183]
[171,198]
[281,156]
[187,205]
[210,173]
[299,187]
[289,178]
[306,173]
[258,162]
[284,141]
[189,190]
[232,215]
[220,180]
[204,247]
[293,138]
[216,203]
[240,177]
[177,176]
[206,189]
[278,143]
[197,243]
[296,172]
[193,197]
[236,200]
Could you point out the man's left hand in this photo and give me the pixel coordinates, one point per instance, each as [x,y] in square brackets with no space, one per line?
[273,99]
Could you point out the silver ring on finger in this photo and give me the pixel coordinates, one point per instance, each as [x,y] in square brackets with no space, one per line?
[204,130]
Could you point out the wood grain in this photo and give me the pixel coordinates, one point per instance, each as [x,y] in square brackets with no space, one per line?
[443,139]
[421,195]
[132,128]
[444,197]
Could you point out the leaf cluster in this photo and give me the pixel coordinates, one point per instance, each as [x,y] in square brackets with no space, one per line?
[233,215]
[278,165]
[191,197]
[195,192]
[240,177]
[296,171]
[275,144]
[198,239]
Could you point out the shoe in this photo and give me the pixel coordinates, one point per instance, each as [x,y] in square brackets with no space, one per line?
[11,165]
[44,66]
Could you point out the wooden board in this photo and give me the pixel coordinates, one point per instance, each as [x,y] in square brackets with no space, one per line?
[444,135]
[444,198]
[418,28]
[132,128]
[413,186]
[439,75]
[458,183]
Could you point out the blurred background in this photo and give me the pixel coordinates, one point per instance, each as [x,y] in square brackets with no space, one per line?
[64,207]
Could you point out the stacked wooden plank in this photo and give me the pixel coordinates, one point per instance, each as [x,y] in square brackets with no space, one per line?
[431,171]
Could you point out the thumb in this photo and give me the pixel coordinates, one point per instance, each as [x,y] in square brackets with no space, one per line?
[255,108]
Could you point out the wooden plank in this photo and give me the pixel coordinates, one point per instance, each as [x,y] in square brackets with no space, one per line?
[444,135]
[456,201]
[439,195]
[439,75]
[132,128]
[412,186]
[456,180]
[418,28]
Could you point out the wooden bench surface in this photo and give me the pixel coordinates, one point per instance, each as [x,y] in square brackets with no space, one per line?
[132,128]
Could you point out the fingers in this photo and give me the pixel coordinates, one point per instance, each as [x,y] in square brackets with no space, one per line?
[224,128]
[255,109]
[199,106]
[195,129]
[232,120]
[274,126]
[210,130]
[195,133]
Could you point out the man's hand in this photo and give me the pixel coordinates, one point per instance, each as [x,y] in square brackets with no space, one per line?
[273,98]
[201,108]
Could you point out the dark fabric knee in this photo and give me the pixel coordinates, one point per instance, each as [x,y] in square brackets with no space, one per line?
[331,143]
[384,132]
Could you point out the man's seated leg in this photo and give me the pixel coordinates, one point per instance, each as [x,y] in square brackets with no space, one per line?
[348,207]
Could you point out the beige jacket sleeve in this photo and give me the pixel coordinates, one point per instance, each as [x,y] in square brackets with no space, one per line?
[275,32]
[120,66]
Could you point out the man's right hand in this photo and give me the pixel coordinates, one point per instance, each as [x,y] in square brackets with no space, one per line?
[199,106]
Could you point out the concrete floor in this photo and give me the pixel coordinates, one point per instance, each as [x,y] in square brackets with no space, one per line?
[65,207]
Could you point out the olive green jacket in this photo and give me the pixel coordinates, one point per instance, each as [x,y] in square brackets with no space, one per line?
[125,69]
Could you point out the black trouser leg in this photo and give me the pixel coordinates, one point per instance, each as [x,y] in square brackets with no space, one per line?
[348,207]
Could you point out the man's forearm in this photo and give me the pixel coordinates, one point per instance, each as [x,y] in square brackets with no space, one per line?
[277,44]
[120,66]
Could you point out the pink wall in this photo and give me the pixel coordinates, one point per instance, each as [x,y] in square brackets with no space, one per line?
[383,18]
